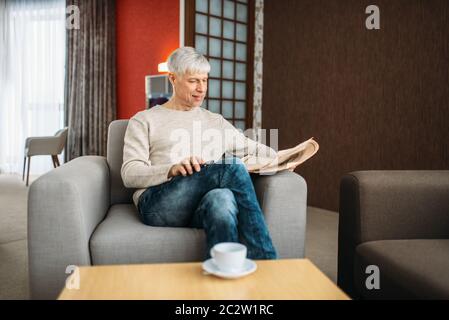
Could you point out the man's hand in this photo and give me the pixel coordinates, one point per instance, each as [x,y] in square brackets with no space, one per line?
[186,167]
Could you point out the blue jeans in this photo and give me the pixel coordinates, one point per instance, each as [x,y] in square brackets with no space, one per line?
[219,199]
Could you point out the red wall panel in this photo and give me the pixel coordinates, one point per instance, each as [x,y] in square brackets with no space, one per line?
[147,32]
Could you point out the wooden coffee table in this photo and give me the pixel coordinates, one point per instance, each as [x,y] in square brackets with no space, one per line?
[291,279]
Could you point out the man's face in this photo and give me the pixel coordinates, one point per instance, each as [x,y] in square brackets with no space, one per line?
[190,88]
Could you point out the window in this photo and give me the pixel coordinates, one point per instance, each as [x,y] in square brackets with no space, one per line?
[222,30]
[32,97]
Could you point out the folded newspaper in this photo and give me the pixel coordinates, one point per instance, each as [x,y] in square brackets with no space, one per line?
[286,159]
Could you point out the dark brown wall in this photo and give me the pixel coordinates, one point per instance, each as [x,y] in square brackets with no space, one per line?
[372,99]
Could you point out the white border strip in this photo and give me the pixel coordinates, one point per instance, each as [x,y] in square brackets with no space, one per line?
[258,65]
[181,22]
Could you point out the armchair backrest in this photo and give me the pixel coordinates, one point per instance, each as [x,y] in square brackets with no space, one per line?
[116,136]
[62,135]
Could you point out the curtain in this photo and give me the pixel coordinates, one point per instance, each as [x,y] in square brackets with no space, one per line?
[32,62]
[90,79]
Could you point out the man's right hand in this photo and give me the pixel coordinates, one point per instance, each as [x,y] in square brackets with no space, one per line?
[186,166]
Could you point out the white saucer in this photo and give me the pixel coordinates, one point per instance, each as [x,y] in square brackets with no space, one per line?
[248,267]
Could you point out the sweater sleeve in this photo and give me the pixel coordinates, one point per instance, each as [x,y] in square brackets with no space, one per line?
[240,145]
[137,170]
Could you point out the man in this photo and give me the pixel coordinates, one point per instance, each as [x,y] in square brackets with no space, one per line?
[181,186]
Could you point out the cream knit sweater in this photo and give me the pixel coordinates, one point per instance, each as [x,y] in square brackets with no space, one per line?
[159,137]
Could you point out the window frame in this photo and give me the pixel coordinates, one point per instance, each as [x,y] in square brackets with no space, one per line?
[189,40]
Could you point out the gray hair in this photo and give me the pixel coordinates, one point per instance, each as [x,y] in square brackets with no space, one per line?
[187,60]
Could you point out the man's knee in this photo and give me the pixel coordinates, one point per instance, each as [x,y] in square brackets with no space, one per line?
[221,204]
[220,198]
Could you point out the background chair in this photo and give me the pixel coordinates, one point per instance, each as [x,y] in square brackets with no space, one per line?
[81,214]
[399,222]
[36,146]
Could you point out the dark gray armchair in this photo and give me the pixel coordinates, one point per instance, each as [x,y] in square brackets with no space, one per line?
[81,214]
[397,221]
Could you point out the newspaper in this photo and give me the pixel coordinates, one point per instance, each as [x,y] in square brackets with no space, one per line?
[287,159]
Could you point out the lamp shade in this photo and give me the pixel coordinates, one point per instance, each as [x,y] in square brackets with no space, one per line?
[162,67]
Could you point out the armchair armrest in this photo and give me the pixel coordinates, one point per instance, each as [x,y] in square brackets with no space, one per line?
[283,199]
[64,207]
[42,146]
[27,140]
[387,205]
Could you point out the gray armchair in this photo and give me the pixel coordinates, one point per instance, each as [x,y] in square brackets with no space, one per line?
[81,214]
[36,146]
[399,222]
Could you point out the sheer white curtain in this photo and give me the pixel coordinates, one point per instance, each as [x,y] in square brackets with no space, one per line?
[32,70]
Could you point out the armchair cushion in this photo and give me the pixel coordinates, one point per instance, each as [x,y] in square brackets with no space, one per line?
[123,239]
[412,269]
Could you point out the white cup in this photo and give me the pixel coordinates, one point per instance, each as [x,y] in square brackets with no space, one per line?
[229,256]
